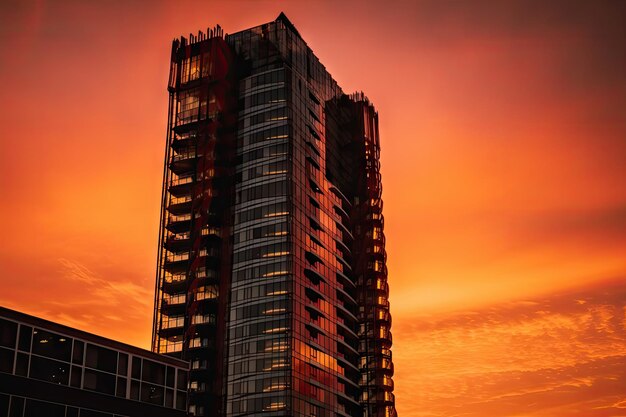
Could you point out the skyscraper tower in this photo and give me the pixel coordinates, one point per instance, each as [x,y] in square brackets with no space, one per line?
[271,276]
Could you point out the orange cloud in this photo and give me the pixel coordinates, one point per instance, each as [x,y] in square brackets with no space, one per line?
[548,357]
[502,128]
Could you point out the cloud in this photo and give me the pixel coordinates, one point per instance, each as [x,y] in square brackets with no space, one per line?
[107,298]
[546,357]
[105,292]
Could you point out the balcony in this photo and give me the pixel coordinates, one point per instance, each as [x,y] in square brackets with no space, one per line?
[184,163]
[314,276]
[346,204]
[341,310]
[383,316]
[344,265]
[346,282]
[347,347]
[342,379]
[345,233]
[187,120]
[179,205]
[177,242]
[348,336]
[171,344]
[343,248]
[346,299]
[345,217]
[181,186]
[178,223]
[176,263]
[174,304]
[172,327]
[185,140]
[352,368]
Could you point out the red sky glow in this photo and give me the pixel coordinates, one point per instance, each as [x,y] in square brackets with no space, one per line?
[503,129]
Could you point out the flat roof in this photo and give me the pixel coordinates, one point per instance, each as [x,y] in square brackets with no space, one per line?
[90,337]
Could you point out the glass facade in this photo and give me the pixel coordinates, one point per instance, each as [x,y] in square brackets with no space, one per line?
[272,199]
[48,369]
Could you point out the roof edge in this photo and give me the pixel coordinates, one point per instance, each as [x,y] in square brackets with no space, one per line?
[283,18]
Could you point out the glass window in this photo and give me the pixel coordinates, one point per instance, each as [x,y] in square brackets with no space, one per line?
[6,360]
[77,355]
[122,365]
[21,366]
[182,379]
[4,405]
[40,408]
[76,377]
[99,381]
[101,358]
[17,407]
[171,376]
[181,399]
[136,371]
[153,372]
[8,333]
[52,345]
[121,387]
[26,334]
[169,398]
[134,390]
[152,394]
[49,370]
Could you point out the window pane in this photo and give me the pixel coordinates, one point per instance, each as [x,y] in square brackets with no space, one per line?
[76,377]
[120,391]
[101,358]
[49,370]
[170,377]
[136,371]
[52,345]
[26,333]
[6,361]
[99,381]
[153,372]
[8,333]
[77,355]
[152,393]
[40,408]
[122,365]
[134,390]
[181,400]
[169,398]
[4,405]
[182,379]
[21,367]
[17,407]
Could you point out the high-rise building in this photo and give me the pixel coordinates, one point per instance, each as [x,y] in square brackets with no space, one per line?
[271,276]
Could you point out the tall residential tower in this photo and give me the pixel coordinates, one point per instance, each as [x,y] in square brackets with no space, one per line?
[272,278]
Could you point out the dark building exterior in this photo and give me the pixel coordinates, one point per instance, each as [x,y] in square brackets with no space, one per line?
[50,370]
[272,278]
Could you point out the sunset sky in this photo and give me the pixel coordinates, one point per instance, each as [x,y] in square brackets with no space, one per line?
[503,128]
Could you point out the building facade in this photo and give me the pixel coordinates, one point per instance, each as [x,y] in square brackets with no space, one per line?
[50,370]
[272,278]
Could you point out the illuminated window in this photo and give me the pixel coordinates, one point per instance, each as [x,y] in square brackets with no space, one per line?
[279,405]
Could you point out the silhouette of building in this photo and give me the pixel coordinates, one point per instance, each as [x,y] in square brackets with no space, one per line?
[271,276]
[51,370]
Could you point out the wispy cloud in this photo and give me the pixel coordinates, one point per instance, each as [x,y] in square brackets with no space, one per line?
[107,292]
[548,357]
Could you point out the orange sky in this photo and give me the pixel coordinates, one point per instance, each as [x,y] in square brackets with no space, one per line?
[503,131]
